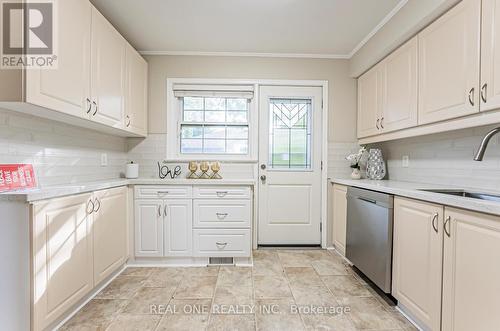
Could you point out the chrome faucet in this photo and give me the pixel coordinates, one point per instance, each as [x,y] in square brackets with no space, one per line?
[482,148]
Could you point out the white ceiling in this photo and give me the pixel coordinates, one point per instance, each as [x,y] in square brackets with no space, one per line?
[316,28]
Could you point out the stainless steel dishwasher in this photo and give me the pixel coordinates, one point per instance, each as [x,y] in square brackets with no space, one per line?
[369,234]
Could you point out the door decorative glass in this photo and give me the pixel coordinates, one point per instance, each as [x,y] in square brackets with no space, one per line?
[290,134]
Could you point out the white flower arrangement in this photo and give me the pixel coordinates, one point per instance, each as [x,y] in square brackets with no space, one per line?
[355,158]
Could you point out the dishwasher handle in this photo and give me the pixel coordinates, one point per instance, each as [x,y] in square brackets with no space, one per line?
[368,200]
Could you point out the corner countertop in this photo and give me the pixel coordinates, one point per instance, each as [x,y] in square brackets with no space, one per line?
[50,192]
[414,191]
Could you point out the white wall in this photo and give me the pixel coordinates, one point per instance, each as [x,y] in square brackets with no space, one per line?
[62,154]
[445,159]
[342,98]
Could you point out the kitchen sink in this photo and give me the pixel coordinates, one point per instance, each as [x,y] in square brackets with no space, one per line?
[466,194]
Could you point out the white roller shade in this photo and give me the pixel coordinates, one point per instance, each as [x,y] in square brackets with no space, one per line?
[223,91]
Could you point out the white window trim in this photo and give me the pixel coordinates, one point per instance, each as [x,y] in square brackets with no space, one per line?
[174,121]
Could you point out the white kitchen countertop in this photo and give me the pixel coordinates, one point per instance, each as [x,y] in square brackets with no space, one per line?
[412,190]
[50,192]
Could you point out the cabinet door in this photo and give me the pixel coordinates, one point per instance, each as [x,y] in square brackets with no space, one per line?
[149,227]
[339,217]
[178,227]
[66,88]
[109,232]
[136,119]
[369,103]
[471,271]
[62,256]
[449,64]
[490,55]
[108,73]
[399,88]
[417,259]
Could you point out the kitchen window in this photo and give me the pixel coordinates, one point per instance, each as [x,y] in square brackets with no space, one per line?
[213,122]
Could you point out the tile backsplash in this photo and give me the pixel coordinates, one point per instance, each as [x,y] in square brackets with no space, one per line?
[62,154]
[445,158]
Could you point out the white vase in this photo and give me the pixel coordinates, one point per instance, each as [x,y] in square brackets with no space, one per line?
[356,173]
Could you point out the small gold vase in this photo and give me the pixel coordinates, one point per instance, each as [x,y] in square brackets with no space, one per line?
[204,167]
[216,168]
[193,167]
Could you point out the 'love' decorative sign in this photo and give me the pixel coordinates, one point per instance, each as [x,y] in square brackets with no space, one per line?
[16,177]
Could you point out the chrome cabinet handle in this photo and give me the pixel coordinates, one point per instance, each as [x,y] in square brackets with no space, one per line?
[165,210]
[221,215]
[382,123]
[159,210]
[471,96]
[447,230]
[434,222]
[95,105]
[162,192]
[484,92]
[97,205]
[378,120]
[91,205]
[128,121]
[221,245]
[89,103]
[221,193]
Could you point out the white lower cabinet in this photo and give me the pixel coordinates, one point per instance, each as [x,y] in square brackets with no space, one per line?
[187,221]
[471,271]
[149,228]
[417,260]
[463,249]
[178,227]
[222,242]
[339,217]
[109,232]
[77,242]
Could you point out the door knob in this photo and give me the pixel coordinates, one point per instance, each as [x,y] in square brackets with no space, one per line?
[263,166]
[263,178]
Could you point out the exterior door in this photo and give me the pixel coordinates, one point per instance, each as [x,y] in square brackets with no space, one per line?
[290,165]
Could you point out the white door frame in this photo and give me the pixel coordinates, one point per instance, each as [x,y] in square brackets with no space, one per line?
[324,132]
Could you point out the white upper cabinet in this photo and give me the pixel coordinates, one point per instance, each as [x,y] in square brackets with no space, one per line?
[449,64]
[108,73]
[136,103]
[369,103]
[399,88]
[67,88]
[471,267]
[490,56]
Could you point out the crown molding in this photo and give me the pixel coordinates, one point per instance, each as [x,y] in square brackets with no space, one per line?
[248,54]
[370,35]
[377,28]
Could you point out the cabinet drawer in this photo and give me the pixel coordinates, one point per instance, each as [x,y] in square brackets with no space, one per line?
[162,192]
[220,192]
[221,243]
[222,213]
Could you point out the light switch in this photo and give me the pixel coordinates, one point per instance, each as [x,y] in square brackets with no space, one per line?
[406,161]
[104,160]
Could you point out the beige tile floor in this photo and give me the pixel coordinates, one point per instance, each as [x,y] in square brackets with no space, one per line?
[280,292]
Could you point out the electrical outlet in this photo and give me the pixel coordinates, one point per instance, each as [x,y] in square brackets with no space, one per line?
[406,161]
[104,160]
